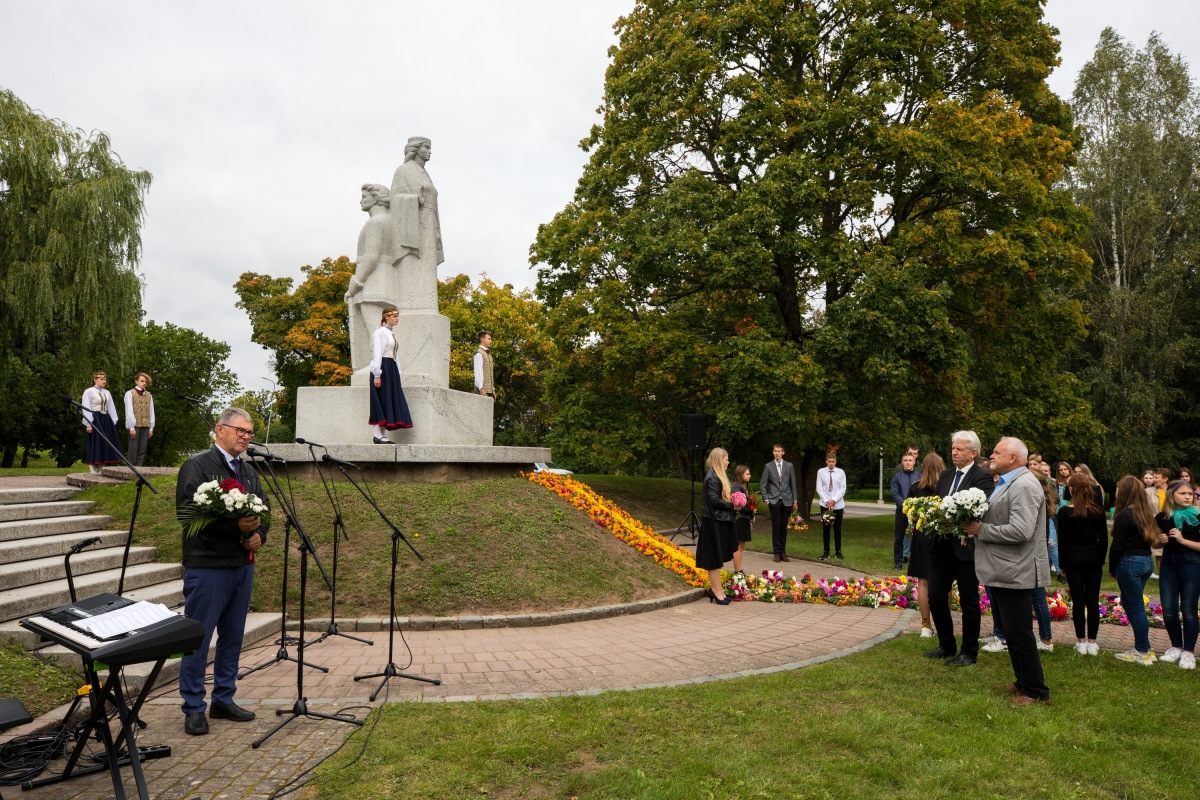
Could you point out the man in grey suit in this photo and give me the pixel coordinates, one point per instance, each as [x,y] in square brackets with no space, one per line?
[1012,561]
[778,487]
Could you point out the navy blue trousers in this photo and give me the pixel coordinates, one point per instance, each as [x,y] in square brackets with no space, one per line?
[218,599]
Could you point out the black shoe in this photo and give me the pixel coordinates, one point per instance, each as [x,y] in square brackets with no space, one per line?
[195,724]
[839,557]
[824,556]
[939,653]
[905,560]
[897,567]
[231,712]
[960,660]
[381,440]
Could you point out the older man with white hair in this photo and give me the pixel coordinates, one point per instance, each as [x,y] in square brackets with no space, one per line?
[1012,561]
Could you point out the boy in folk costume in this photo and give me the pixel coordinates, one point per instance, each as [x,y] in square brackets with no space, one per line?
[100,422]
[139,418]
[485,383]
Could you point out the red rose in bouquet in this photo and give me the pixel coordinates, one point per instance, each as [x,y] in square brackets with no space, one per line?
[232,483]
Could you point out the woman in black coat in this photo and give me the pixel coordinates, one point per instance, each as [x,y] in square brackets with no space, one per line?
[717,539]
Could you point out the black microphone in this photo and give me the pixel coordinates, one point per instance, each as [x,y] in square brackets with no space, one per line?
[333,460]
[85,543]
[181,396]
[310,444]
[254,452]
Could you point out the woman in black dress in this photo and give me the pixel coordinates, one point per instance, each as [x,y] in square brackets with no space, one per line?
[743,523]
[717,540]
[920,555]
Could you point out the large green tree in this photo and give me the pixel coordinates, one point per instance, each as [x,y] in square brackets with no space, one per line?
[823,222]
[1139,115]
[70,213]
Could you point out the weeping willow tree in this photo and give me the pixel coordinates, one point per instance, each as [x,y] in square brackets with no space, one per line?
[70,295]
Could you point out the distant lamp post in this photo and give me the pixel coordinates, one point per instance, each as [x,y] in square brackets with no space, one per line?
[270,408]
[881,476]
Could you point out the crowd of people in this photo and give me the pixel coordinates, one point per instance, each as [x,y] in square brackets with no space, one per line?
[1043,523]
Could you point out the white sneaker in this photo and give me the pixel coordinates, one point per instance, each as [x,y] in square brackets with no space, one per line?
[1049,648]
[1134,657]
[1187,660]
[1081,648]
[927,633]
[1172,655]
[1153,576]
[1093,649]
[995,646]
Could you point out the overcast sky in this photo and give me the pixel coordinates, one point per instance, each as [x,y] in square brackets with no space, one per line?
[260,121]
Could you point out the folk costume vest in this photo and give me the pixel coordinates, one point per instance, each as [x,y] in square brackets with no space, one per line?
[141,409]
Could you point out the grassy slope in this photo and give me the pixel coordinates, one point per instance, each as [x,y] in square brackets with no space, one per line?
[40,685]
[882,723]
[493,546]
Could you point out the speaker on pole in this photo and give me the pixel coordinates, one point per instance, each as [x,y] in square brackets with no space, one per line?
[693,432]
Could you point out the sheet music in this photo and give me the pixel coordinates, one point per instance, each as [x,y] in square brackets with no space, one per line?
[124,620]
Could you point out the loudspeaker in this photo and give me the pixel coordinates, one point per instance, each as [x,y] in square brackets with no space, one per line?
[693,432]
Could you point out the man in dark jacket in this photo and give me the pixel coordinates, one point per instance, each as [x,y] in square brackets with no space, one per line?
[902,483]
[218,573]
[953,562]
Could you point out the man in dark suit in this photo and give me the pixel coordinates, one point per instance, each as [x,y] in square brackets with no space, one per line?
[778,488]
[218,573]
[953,561]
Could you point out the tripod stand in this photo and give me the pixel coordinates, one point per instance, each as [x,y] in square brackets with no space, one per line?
[390,670]
[691,521]
[338,527]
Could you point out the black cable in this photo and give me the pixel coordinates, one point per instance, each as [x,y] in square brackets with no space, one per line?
[297,781]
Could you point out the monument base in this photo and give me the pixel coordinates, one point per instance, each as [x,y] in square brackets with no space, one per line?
[417,463]
[339,414]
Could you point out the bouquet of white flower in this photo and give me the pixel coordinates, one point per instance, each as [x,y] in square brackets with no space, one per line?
[227,499]
[968,505]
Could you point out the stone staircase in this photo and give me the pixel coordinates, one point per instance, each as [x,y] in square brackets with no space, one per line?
[37,528]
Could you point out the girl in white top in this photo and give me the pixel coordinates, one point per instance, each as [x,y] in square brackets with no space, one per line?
[389,409]
[100,417]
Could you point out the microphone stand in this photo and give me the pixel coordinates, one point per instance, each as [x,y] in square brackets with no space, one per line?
[391,670]
[67,563]
[137,498]
[338,526]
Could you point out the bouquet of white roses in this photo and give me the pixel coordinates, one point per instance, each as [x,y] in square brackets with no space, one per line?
[922,513]
[968,505]
[227,499]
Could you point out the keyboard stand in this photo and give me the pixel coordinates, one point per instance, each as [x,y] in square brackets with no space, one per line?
[100,697]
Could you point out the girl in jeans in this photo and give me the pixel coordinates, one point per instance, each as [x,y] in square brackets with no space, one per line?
[1130,562]
[1179,575]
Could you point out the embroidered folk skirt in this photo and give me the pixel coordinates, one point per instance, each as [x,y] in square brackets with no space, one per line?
[388,406]
[98,451]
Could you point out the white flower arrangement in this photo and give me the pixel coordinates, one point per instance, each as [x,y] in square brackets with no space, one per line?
[216,500]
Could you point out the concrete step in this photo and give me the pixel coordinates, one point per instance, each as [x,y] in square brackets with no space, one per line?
[126,474]
[86,480]
[46,495]
[57,545]
[169,593]
[26,600]
[258,626]
[43,570]
[28,529]
[14,512]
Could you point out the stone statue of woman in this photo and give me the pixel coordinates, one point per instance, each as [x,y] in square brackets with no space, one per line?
[414,212]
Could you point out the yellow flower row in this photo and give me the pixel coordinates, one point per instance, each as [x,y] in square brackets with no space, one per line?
[618,522]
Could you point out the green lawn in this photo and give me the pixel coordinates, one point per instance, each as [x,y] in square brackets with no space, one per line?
[882,723]
[42,686]
[661,503]
[502,545]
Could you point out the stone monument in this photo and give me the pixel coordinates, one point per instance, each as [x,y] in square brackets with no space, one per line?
[399,250]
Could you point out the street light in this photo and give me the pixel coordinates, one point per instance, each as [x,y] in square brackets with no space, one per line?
[270,409]
[881,476]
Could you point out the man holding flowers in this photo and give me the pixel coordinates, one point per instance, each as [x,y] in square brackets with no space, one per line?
[218,569]
[1012,561]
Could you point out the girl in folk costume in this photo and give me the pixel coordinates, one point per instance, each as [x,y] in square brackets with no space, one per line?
[389,409]
[100,421]
[139,419]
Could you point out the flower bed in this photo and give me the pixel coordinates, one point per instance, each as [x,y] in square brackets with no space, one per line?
[619,523]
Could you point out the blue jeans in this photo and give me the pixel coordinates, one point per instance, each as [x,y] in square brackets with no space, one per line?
[1041,610]
[1052,547]
[997,627]
[1179,584]
[1132,574]
[218,599]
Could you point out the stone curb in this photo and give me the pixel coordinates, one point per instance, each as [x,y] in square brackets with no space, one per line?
[472,622]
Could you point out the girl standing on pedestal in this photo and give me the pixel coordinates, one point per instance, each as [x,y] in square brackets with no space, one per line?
[389,409]
[100,417]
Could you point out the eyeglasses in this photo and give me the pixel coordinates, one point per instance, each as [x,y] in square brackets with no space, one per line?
[244,433]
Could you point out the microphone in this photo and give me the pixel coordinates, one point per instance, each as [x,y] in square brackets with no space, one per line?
[85,543]
[333,460]
[310,444]
[66,398]
[254,452]
[181,396]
